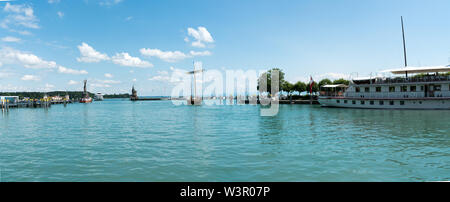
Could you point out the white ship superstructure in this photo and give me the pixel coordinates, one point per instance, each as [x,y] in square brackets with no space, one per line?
[419,88]
[429,88]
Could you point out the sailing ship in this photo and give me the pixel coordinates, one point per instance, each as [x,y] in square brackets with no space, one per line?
[86,98]
[420,88]
[194,99]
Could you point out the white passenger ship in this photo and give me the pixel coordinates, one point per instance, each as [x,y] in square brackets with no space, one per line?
[424,91]
[428,89]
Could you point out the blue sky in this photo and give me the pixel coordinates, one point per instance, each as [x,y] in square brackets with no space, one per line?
[55,44]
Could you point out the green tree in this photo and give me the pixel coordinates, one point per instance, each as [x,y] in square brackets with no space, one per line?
[315,87]
[341,81]
[299,87]
[325,82]
[268,75]
[287,87]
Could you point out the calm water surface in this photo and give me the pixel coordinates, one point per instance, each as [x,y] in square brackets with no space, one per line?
[119,140]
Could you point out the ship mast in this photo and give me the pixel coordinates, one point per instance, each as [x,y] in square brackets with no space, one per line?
[84,91]
[404,45]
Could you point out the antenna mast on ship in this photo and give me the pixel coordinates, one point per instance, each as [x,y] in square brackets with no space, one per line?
[404,45]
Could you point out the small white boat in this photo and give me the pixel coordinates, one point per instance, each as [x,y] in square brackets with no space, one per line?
[98,97]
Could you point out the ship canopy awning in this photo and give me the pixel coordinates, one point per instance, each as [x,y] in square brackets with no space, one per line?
[414,70]
[335,86]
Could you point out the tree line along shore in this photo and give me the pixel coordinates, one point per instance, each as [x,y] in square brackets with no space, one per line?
[293,90]
[72,94]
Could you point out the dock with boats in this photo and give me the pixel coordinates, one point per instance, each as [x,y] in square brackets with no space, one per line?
[7,102]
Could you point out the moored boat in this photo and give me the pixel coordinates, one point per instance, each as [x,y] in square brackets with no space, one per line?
[98,97]
[421,91]
[86,98]
[423,88]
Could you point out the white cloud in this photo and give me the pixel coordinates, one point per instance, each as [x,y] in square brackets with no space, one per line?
[109,2]
[49,86]
[159,78]
[10,39]
[108,75]
[107,81]
[5,73]
[72,82]
[53,1]
[24,32]
[100,85]
[162,76]
[168,56]
[198,44]
[134,80]
[163,72]
[28,60]
[201,35]
[125,59]
[21,16]
[30,78]
[12,88]
[200,53]
[65,70]
[129,18]
[90,55]
[60,14]
[165,77]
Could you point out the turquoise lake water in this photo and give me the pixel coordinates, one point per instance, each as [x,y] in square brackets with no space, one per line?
[119,140]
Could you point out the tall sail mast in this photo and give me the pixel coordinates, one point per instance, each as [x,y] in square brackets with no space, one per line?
[84,88]
[404,42]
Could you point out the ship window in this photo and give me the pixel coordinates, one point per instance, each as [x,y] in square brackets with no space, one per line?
[402,102]
[421,88]
[391,88]
[437,88]
[391,102]
[338,101]
[366,89]
[362,102]
[378,89]
[412,88]
[357,89]
[345,101]
[353,102]
[381,102]
[404,88]
[372,102]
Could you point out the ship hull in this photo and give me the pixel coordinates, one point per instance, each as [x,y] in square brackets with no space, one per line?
[423,103]
[86,100]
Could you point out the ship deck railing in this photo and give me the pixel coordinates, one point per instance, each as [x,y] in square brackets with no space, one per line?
[421,79]
[419,94]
